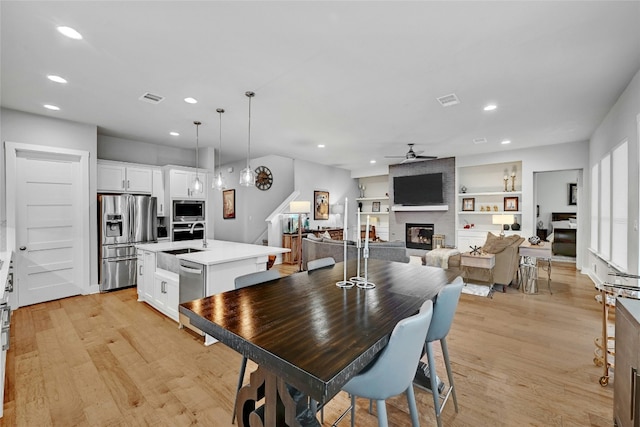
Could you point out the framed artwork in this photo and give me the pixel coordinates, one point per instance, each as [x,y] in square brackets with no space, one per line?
[510,204]
[375,207]
[573,194]
[320,205]
[229,204]
[469,204]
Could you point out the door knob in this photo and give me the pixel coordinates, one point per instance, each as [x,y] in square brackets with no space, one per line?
[22,248]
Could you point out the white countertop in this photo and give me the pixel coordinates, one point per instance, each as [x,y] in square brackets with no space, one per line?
[5,257]
[216,252]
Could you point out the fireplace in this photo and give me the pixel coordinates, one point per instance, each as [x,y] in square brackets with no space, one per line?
[419,236]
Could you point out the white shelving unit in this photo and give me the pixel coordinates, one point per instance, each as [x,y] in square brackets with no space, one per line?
[485,185]
[376,186]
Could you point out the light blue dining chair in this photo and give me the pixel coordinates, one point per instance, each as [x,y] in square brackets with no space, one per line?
[319,263]
[393,371]
[242,282]
[443,312]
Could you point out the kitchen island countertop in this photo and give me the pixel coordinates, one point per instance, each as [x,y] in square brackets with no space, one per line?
[216,252]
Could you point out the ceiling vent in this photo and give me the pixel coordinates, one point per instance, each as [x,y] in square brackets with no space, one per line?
[448,100]
[151,98]
[479,140]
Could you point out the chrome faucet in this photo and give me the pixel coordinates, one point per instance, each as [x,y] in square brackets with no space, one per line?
[204,232]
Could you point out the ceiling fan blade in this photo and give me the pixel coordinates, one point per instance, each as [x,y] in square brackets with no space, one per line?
[395,157]
[426,157]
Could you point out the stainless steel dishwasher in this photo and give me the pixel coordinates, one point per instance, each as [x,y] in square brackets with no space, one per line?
[193,281]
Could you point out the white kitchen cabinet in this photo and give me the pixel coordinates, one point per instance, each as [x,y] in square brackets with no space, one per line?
[157,191]
[122,178]
[180,184]
[146,267]
[6,272]
[165,291]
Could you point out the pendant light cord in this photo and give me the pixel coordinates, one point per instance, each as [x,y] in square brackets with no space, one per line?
[249,95]
[197,144]
[220,111]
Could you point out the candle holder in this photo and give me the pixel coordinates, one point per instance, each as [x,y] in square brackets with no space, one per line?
[344,283]
[513,181]
[506,180]
[365,283]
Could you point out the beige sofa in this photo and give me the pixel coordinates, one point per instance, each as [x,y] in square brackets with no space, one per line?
[507,260]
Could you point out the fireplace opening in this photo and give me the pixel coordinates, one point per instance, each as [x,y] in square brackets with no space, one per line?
[419,236]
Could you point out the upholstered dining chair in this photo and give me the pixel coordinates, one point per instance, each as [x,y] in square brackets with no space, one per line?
[242,282]
[393,371]
[443,311]
[319,263]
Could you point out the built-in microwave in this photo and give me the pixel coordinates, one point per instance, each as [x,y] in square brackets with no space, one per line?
[188,210]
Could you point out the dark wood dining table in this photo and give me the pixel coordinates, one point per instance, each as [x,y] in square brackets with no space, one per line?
[308,336]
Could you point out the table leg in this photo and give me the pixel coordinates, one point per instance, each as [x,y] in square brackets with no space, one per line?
[549,274]
[283,406]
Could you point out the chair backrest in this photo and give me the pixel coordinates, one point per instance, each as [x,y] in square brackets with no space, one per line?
[444,310]
[319,263]
[395,368]
[255,278]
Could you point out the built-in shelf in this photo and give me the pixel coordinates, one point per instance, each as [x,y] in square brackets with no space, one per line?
[489,213]
[423,208]
[491,193]
[374,213]
[368,199]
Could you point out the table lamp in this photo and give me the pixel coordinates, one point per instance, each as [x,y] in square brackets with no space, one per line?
[299,207]
[502,220]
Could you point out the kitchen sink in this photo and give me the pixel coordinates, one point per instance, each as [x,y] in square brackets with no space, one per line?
[182,251]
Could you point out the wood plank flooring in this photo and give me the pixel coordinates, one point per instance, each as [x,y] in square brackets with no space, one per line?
[108,360]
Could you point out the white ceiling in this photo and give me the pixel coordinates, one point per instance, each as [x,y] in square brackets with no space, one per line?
[360,77]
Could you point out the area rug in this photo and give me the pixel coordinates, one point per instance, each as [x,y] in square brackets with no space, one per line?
[478,290]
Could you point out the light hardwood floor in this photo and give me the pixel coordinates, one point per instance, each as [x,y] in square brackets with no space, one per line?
[108,360]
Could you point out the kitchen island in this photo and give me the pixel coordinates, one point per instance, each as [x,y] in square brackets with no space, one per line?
[218,264]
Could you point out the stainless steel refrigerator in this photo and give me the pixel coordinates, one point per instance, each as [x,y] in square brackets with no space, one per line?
[124,220]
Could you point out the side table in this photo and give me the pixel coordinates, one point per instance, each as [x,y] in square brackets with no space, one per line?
[529,255]
[486,261]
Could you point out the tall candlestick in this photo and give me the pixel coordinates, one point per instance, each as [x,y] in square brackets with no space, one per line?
[358,230]
[366,237]
[345,232]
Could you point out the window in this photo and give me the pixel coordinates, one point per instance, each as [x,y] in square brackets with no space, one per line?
[619,205]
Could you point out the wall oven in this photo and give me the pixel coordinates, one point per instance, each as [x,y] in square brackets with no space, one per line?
[188,210]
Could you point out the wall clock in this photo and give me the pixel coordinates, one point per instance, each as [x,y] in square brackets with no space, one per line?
[264,178]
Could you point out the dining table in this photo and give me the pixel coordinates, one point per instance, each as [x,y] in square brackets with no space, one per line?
[308,336]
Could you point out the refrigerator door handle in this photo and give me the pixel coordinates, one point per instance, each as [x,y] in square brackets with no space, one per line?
[120,259]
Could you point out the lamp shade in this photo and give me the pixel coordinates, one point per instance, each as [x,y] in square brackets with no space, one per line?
[502,219]
[299,206]
[337,209]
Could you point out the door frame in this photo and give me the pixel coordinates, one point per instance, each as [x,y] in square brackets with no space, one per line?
[11,154]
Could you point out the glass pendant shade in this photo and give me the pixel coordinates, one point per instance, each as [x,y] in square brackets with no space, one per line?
[196,184]
[219,181]
[247,175]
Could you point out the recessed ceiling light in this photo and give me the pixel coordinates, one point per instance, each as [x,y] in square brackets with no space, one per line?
[56,79]
[320,145]
[70,32]
[174,134]
[190,100]
[51,107]
[372,161]
[490,107]
[505,141]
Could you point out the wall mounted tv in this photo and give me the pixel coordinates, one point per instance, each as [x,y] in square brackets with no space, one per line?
[416,190]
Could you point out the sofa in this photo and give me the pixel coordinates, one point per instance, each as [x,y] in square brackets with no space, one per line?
[506,250]
[315,248]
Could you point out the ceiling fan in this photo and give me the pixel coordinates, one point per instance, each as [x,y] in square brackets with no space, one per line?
[412,156]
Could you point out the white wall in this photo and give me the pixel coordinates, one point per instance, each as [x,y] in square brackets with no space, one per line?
[620,124]
[125,150]
[17,126]
[552,194]
[572,155]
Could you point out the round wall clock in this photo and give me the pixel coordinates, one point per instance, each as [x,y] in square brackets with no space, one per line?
[264,178]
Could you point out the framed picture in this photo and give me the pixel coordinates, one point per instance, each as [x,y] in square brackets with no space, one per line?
[375,207]
[321,205]
[469,204]
[229,204]
[510,204]
[573,194]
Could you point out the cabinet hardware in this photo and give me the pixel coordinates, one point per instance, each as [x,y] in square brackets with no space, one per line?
[123,186]
[22,248]
[128,184]
[141,271]
[5,333]
[9,287]
[163,287]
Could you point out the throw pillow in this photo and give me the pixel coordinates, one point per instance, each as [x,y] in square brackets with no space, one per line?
[326,235]
[496,244]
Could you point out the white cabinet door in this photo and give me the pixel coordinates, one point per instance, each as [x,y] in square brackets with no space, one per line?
[139,180]
[140,275]
[111,177]
[158,191]
[148,274]
[172,288]
[160,292]
[180,184]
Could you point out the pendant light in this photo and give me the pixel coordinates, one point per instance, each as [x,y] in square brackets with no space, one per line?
[247,175]
[196,185]
[219,182]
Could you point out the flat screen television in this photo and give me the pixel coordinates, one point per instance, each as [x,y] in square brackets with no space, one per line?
[416,190]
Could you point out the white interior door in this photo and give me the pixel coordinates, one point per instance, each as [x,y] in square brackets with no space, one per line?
[49,225]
